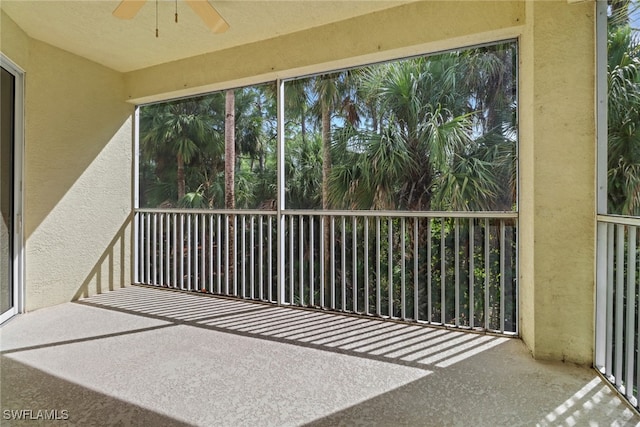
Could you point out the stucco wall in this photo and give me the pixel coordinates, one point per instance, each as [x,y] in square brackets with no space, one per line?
[557,180]
[77,186]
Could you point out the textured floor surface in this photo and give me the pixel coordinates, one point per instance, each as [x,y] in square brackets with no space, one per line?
[150,357]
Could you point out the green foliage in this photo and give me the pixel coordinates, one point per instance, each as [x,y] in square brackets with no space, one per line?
[623,119]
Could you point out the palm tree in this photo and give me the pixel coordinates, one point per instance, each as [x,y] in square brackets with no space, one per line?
[180,130]
[623,115]
[422,151]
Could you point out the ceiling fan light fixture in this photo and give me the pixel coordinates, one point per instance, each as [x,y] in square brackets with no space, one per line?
[127,9]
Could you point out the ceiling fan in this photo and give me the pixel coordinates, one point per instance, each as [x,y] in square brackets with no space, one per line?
[127,9]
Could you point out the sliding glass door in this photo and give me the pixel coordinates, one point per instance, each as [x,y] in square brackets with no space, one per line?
[10,230]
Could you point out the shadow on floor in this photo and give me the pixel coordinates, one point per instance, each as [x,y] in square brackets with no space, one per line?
[30,397]
[223,362]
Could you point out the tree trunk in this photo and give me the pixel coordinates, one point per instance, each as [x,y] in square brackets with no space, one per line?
[229,151]
[180,177]
[326,169]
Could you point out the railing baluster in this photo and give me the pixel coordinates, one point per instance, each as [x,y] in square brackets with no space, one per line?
[333,262]
[189,277]
[252,262]
[270,252]
[291,235]
[429,290]
[416,255]
[443,272]
[312,301]
[301,259]
[181,251]
[378,310]
[456,272]
[219,253]
[321,254]
[243,257]
[403,256]
[194,279]
[471,273]
[343,266]
[147,278]
[390,266]
[261,257]
[154,253]
[235,255]
[160,249]
[365,259]
[630,339]
[168,250]
[354,261]
[636,300]
[136,247]
[610,287]
[619,303]
[502,274]
[174,232]
[203,253]
[211,253]
[487,265]
[227,236]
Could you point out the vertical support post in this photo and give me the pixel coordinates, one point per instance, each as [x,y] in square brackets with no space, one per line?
[135,197]
[280,226]
[602,105]
[602,252]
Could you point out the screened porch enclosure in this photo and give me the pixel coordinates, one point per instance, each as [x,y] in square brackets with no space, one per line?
[387,190]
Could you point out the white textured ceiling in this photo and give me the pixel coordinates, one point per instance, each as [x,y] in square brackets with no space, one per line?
[87,28]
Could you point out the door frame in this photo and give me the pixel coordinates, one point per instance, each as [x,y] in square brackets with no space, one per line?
[18,200]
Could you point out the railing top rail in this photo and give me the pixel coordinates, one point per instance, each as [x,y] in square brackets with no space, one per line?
[355,213]
[618,219]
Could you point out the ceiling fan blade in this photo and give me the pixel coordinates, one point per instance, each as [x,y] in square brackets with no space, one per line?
[127,9]
[209,15]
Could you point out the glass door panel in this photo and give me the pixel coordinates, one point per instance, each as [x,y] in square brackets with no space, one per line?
[7,138]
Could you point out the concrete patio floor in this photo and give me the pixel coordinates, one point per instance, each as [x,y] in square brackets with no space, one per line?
[151,357]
